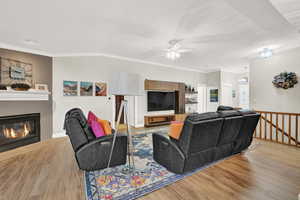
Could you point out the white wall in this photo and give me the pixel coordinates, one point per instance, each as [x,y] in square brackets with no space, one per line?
[263,95]
[101,69]
[213,81]
[230,79]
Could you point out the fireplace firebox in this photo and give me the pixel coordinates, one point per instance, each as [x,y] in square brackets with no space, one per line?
[19,130]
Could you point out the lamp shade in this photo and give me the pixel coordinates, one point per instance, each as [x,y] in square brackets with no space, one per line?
[126,84]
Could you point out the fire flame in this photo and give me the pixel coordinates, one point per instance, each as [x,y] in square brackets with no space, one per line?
[11,133]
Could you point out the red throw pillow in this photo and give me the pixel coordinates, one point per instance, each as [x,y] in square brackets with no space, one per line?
[91,117]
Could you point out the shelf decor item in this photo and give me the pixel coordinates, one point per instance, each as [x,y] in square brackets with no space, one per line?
[3,87]
[43,87]
[285,80]
[233,93]
[20,86]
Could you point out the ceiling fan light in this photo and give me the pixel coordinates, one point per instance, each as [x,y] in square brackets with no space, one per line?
[173,55]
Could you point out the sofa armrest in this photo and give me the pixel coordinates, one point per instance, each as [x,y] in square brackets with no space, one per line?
[95,154]
[167,153]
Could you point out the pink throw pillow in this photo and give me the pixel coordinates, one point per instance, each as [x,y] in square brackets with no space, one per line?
[97,129]
[91,117]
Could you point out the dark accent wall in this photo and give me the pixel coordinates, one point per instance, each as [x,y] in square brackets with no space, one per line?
[42,73]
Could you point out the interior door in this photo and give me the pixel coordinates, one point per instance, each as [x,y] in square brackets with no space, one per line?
[244,96]
[119,99]
[227,99]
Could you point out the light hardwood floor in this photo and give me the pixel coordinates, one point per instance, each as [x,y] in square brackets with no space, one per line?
[47,170]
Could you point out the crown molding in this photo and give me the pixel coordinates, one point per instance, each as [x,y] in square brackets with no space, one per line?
[25,50]
[59,55]
[127,59]
[235,71]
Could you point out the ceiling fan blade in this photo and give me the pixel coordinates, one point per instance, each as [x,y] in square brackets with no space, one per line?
[184,50]
[262,13]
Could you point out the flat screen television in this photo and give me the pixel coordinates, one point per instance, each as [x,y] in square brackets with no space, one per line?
[158,101]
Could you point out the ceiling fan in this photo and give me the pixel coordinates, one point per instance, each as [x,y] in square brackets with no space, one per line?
[175,49]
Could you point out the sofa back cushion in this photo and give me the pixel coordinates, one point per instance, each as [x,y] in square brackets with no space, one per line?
[196,117]
[223,108]
[251,119]
[233,122]
[200,132]
[78,114]
[75,132]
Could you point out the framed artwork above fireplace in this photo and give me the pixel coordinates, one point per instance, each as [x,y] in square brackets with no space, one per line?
[14,71]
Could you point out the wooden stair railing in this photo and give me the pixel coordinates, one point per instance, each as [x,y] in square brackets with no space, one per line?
[278,127]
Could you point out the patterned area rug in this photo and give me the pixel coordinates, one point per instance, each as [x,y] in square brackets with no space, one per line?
[114,183]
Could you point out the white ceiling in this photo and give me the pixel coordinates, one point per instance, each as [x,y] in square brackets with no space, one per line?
[221,33]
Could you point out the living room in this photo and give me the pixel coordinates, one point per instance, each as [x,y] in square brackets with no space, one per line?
[150,100]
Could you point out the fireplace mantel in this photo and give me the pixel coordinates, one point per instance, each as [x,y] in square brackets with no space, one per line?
[31,95]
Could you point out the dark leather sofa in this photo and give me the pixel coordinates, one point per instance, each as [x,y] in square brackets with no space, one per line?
[92,153]
[205,138]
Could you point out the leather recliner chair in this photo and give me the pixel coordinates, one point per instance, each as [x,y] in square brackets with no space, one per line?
[205,138]
[92,153]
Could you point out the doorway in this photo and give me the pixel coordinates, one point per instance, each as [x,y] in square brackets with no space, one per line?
[202,99]
[119,99]
[244,93]
[244,96]
[226,97]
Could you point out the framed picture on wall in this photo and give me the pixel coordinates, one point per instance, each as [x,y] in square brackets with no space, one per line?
[214,95]
[86,88]
[70,88]
[100,89]
[14,71]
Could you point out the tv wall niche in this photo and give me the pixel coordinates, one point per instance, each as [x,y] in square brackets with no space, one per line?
[177,88]
[160,101]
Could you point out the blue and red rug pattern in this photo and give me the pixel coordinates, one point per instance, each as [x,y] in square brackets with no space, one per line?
[116,184]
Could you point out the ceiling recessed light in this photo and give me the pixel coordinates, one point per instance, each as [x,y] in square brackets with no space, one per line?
[266,53]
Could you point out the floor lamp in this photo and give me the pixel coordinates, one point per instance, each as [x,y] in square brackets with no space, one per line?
[125,84]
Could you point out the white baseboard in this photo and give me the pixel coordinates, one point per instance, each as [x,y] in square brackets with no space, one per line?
[59,134]
[139,126]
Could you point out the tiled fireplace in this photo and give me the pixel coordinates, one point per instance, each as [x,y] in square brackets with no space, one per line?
[19,130]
